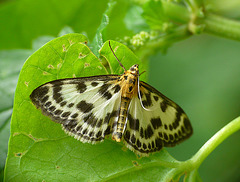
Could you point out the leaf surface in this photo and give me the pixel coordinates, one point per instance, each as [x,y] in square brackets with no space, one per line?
[10,65]
[40,150]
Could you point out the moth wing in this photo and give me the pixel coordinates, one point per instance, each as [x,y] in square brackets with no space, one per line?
[86,107]
[160,122]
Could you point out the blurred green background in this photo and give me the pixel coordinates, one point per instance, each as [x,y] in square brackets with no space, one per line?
[201,74]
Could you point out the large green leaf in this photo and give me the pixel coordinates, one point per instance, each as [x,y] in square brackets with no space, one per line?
[40,150]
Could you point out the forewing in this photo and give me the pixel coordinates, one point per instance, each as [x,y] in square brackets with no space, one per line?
[160,122]
[86,107]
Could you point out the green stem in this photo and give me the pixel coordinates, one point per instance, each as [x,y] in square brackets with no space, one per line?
[176,12]
[221,26]
[211,144]
[214,24]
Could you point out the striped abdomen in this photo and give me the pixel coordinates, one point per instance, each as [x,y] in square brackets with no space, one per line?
[122,119]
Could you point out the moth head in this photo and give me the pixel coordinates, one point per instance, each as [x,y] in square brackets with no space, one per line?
[134,69]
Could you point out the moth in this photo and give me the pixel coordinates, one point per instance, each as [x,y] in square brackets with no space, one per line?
[122,106]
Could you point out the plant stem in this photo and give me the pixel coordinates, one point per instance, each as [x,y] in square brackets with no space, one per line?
[213,142]
[221,26]
[214,24]
[176,12]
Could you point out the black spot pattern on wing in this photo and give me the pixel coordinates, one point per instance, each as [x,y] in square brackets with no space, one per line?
[104,91]
[180,133]
[84,134]
[99,134]
[133,123]
[70,125]
[116,88]
[147,143]
[74,115]
[143,147]
[90,119]
[58,112]
[70,105]
[63,103]
[179,113]
[81,87]
[127,135]
[61,108]
[188,125]
[65,114]
[141,133]
[84,107]
[38,94]
[107,131]
[155,98]
[45,99]
[165,136]
[52,108]
[163,105]
[141,94]
[148,101]
[57,96]
[133,139]
[156,123]
[107,95]
[99,123]
[94,84]
[110,115]
[107,118]
[148,132]
[157,132]
[48,104]
[89,133]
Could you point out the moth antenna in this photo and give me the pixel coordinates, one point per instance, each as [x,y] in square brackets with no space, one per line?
[139,95]
[142,73]
[116,57]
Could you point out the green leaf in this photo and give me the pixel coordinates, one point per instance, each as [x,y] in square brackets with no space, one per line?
[10,65]
[154,14]
[125,56]
[40,151]
[29,22]
[134,20]
[98,39]
[117,28]
[4,135]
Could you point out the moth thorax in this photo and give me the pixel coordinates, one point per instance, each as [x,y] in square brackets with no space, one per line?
[129,84]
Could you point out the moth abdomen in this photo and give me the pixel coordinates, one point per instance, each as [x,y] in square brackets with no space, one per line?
[121,123]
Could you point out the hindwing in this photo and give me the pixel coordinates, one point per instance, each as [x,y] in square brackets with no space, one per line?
[155,123]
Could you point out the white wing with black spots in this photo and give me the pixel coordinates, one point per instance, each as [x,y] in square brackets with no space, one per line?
[87,107]
[161,122]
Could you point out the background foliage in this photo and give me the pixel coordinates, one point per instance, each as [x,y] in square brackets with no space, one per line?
[200,73]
